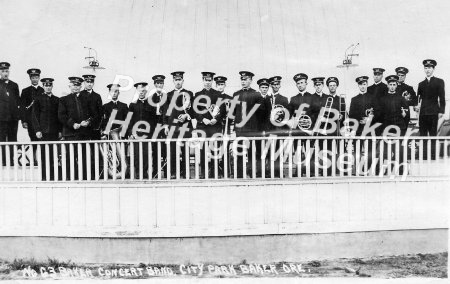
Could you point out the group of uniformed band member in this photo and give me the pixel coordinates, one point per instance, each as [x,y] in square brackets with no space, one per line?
[81,115]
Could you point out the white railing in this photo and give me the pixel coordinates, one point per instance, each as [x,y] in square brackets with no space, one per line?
[225,158]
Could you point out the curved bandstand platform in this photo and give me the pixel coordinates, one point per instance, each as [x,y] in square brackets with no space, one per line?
[230,219]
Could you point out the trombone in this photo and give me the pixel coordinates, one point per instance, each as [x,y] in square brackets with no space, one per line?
[325,116]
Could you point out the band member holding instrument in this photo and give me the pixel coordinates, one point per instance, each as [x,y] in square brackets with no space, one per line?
[319,101]
[158,97]
[74,113]
[281,103]
[247,125]
[46,124]
[178,121]
[338,103]
[96,105]
[361,106]
[227,121]
[394,109]
[209,114]
[404,89]
[395,113]
[114,104]
[264,127]
[431,94]
[27,99]
[142,115]
[377,91]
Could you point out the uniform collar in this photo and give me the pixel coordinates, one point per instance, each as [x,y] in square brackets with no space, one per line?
[363,93]
[37,86]
[49,94]
[376,84]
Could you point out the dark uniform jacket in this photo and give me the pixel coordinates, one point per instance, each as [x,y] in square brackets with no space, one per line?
[171,118]
[9,101]
[45,115]
[358,107]
[27,99]
[340,106]
[402,87]
[142,111]
[204,111]
[250,98]
[391,110]
[432,95]
[74,109]
[96,105]
[122,111]
[307,100]
[227,119]
[377,91]
[273,100]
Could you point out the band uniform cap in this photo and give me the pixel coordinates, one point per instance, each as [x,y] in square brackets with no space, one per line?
[140,84]
[76,80]
[220,79]
[429,62]
[275,79]
[401,70]
[113,85]
[246,74]
[378,70]
[47,81]
[34,72]
[332,79]
[318,80]
[4,65]
[88,78]
[392,78]
[361,79]
[300,76]
[177,74]
[263,81]
[208,75]
[158,78]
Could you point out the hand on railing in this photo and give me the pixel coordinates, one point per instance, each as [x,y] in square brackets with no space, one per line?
[76,126]
[39,135]
[84,123]
[25,125]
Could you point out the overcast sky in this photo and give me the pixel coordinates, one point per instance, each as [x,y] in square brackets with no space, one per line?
[268,37]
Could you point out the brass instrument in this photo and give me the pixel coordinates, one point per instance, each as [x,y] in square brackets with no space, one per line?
[369,112]
[419,106]
[107,153]
[304,122]
[325,116]
[278,114]
[214,110]
[407,96]
[186,106]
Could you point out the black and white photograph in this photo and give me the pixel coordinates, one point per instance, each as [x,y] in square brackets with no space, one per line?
[240,141]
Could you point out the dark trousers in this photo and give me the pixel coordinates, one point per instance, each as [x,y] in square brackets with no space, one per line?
[8,133]
[428,127]
[209,147]
[244,150]
[138,154]
[50,161]
[76,160]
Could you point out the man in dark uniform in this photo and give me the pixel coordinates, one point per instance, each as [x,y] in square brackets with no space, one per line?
[226,122]
[264,129]
[114,104]
[27,99]
[338,103]
[395,113]
[96,105]
[301,110]
[319,103]
[9,109]
[278,127]
[158,102]
[361,106]
[177,116]
[431,97]
[209,112]
[46,124]
[74,113]
[141,119]
[377,91]
[404,89]
[247,112]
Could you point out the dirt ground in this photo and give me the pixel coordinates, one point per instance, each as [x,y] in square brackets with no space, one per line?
[419,265]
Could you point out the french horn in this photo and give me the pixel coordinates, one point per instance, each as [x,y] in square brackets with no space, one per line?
[278,114]
[304,122]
